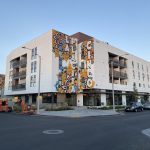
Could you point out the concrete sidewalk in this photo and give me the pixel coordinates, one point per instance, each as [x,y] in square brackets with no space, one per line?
[79,112]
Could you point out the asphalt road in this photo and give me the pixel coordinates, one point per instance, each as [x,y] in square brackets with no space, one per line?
[123,132]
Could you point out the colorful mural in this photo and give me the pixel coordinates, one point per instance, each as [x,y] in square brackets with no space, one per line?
[86,72]
[76,62]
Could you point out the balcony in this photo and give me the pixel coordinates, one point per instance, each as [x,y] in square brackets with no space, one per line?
[19,87]
[17,75]
[123,75]
[123,64]
[118,74]
[22,74]
[21,63]
[117,63]
[16,64]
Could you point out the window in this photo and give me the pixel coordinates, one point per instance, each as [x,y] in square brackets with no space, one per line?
[33,81]
[34,53]
[138,66]
[132,64]
[139,75]
[143,76]
[148,78]
[142,68]
[133,74]
[33,66]
[139,84]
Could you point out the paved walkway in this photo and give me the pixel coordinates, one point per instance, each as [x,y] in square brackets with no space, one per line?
[78,112]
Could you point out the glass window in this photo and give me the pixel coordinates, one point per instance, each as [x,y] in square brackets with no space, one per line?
[133,74]
[34,53]
[138,66]
[142,68]
[35,66]
[132,64]
[139,75]
[33,81]
[32,66]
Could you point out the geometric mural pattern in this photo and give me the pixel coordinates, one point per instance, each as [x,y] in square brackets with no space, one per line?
[76,63]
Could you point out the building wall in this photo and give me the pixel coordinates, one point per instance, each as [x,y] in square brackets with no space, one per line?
[68,56]
[44,49]
[70,66]
[101,51]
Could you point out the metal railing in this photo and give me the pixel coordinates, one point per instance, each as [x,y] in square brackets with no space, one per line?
[19,74]
[118,74]
[19,87]
[118,63]
[18,63]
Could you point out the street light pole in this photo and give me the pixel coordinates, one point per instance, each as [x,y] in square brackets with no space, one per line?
[39,79]
[38,99]
[112,80]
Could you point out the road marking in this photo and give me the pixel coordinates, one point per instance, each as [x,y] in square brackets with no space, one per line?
[53,131]
[146,132]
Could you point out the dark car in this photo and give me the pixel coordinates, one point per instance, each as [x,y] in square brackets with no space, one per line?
[134,106]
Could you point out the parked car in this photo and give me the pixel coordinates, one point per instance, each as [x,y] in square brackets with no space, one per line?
[134,106]
[146,105]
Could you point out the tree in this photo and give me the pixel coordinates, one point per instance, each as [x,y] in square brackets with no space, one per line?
[134,93]
[2,79]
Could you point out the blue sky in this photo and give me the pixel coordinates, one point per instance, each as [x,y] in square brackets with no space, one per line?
[123,23]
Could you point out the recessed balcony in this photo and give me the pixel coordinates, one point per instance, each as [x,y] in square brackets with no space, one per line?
[19,87]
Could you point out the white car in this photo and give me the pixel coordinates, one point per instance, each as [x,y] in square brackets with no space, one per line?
[146,105]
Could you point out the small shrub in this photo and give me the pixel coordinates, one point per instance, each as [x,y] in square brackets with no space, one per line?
[58,108]
[17,108]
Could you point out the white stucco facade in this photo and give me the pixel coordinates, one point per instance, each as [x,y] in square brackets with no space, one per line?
[97,70]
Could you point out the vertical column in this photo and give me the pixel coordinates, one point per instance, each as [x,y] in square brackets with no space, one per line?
[124,102]
[79,99]
[103,98]
[139,99]
[30,99]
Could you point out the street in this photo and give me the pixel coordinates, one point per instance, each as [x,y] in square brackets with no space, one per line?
[119,132]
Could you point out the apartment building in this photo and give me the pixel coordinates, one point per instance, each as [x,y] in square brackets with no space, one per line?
[76,69]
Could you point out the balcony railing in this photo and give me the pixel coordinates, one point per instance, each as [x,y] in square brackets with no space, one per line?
[123,64]
[19,74]
[23,62]
[18,63]
[118,74]
[19,87]
[123,75]
[117,63]
[15,64]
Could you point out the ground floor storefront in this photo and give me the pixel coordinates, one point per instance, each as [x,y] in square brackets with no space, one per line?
[94,97]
